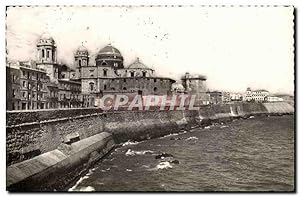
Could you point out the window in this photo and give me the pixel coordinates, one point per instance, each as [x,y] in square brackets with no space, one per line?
[104,64]
[124,88]
[24,94]
[132,74]
[48,54]
[37,76]
[14,78]
[79,62]
[154,80]
[91,86]
[43,53]
[104,73]
[13,93]
[24,84]
[29,96]
[104,87]
[155,89]
[124,80]
[144,73]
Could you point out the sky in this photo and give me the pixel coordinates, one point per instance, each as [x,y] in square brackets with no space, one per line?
[235,47]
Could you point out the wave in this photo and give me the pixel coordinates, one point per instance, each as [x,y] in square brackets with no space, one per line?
[130,143]
[132,152]
[87,189]
[192,138]
[174,134]
[164,165]
[77,183]
[223,127]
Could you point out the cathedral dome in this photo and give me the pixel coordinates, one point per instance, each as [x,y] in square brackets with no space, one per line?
[109,51]
[82,51]
[46,36]
[46,39]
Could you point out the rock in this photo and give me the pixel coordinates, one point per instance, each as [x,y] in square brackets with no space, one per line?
[175,161]
[163,155]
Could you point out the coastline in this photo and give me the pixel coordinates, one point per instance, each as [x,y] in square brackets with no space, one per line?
[78,147]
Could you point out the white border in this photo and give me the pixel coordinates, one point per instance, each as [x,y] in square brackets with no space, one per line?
[3,4]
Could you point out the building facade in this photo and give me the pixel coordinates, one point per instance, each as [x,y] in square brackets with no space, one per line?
[260,95]
[47,84]
[196,84]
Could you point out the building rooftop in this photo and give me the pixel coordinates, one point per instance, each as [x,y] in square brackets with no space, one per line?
[137,64]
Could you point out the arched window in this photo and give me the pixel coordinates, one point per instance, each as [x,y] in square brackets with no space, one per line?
[132,74]
[92,86]
[104,64]
[79,62]
[155,89]
[43,52]
[144,73]
[104,72]
[124,88]
[48,54]
[105,87]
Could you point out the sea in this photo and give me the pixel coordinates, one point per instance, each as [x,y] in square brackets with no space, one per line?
[251,155]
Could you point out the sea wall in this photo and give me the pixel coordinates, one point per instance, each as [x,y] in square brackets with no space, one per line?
[56,168]
[34,135]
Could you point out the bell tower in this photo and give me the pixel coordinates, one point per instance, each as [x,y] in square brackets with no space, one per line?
[47,57]
[81,60]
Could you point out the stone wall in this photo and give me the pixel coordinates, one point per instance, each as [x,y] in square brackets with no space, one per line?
[68,161]
[32,133]
[63,141]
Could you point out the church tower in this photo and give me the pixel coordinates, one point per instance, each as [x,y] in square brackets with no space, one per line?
[46,56]
[81,60]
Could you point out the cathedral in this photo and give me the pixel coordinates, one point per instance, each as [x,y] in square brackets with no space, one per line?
[66,87]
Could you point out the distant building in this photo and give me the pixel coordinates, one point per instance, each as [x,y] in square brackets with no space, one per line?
[196,84]
[256,95]
[274,99]
[226,97]
[216,97]
[236,97]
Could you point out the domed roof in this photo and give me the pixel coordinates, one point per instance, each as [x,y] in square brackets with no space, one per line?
[46,36]
[82,50]
[109,50]
[46,39]
[137,64]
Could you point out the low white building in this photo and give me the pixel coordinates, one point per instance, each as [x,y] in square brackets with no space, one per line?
[256,95]
[274,99]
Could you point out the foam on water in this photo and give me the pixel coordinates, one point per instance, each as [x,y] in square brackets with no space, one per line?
[74,188]
[164,165]
[87,189]
[130,143]
[223,127]
[132,152]
[192,138]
